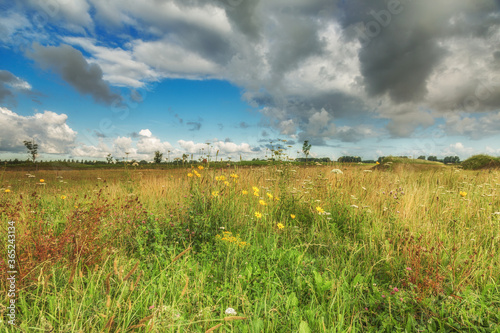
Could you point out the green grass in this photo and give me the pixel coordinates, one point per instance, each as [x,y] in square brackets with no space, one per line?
[477,162]
[159,251]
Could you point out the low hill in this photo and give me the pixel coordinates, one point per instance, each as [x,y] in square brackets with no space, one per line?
[399,163]
[477,162]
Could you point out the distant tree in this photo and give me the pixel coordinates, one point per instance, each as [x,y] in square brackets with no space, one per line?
[109,158]
[432,158]
[306,148]
[349,159]
[32,149]
[158,157]
[451,159]
[421,157]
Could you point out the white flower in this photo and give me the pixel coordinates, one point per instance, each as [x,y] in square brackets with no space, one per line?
[337,171]
[231,311]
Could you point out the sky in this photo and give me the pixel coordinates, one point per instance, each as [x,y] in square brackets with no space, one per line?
[236,78]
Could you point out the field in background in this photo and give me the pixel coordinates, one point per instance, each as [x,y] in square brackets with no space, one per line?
[289,248]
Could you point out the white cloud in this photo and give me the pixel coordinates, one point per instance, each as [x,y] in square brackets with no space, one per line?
[146,133]
[120,66]
[49,130]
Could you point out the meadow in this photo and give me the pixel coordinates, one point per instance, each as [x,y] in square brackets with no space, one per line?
[277,248]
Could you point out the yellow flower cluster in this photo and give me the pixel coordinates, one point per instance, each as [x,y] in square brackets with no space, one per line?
[262,202]
[463,194]
[227,237]
[215,194]
[220,178]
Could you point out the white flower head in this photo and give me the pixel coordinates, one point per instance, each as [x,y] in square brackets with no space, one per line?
[231,311]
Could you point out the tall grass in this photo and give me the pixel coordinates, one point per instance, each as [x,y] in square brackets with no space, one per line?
[171,251]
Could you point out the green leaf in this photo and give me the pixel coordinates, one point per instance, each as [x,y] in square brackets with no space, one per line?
[304,327]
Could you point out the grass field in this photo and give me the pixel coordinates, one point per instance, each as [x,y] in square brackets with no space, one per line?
[266,249]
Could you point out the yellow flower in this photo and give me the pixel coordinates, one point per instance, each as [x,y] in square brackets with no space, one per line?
[226,183]
[234,176]
[270,196]
[281,226]
[63,197]
[200,167]
[276,198]
[256,194]
[215,193]
[320,210]
[41,180]
[244,192]
[258,215]
[262,202]
[292,216]
[76,206]
[377,163]
[190,175]
[255,189]
[463,194]
[221,178]
[217,178]
[7,190]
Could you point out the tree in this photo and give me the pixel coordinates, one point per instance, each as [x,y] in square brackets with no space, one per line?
[451,159]
[306,148]
[158,157]
[109,158]
[32,149]
[421,157]
[432,158]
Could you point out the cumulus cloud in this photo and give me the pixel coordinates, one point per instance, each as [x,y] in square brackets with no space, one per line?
[71,65]
[49,130]
[223,147]
[321,70]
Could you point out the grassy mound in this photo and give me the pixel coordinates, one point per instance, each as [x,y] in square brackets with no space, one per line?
[398,163]
[477,162]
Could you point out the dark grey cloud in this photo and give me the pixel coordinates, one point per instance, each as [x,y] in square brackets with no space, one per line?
[195,125]
[403,40]
[71,65]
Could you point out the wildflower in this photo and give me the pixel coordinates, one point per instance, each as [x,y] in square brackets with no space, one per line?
[258,215]
[256,194]
[190,175]
[262,202]
[255,189]
[234,176]
[337,171]
[226,183]
[281,226]
[231,311]
[377,163]
[320,210]
[463,194]
[395,289]
[7,190]
[408,268]
[200,167]
[244,192]
[63,197]
[270,196]
[42,180]
[215,193]
[292,216]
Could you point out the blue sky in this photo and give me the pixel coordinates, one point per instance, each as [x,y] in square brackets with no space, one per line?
[88,78]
